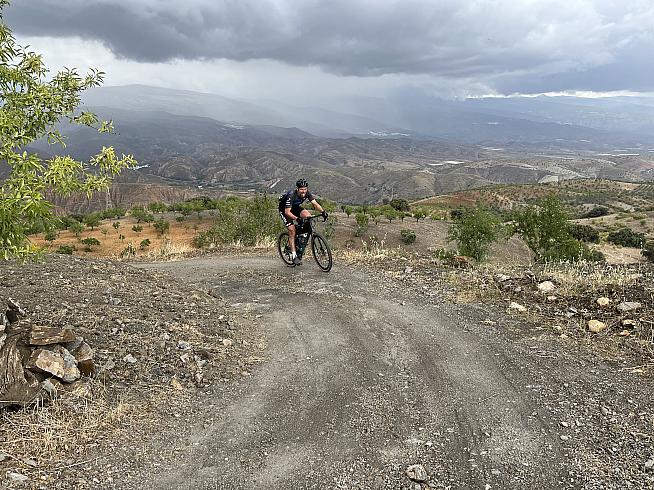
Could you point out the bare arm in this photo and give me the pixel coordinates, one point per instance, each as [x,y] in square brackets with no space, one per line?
[317,206]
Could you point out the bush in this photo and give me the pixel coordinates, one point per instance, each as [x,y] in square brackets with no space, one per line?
[408,236]
[241,220]
[137,228]
[144,244]
[626,238]
[596,212]
[90,242]
[66,249]
[475,230]
[585,233]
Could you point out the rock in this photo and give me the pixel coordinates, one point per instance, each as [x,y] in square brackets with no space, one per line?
[517,306]
[552,298]
[176,384]
[408,270]
[649,465]
[17,477]
[629,323]
[625,333]
[74,345]
[41,335]
[4,457]
[31,462]
[417,472]
[596,326]
[603,301]
[546,286]
[183,345]
[565,438]
[14,306]
[501,278]
[627,306]
[129,358]
[57,362]
[83,352]
[227,342]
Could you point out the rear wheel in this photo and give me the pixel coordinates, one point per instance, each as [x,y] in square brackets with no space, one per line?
[284,249]
[321,252]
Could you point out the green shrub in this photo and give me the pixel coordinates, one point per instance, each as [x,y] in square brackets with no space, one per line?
[596,212]
[90,242]
[408,236]
[137,228]
[66,249]
[51,236]
[362,223]
[144,244]
[626,237]
[584,233]
[242,220]
[474,230]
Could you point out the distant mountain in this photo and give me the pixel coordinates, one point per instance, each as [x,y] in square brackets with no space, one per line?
[195,151]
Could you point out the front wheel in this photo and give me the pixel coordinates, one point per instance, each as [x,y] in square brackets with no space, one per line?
[284,249]
[321,252]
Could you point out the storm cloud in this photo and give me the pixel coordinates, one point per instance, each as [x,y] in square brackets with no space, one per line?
[513,46]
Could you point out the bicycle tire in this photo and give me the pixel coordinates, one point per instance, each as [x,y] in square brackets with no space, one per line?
[282,246]
[321,252]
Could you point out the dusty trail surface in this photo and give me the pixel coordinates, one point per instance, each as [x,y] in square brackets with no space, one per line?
[363,378]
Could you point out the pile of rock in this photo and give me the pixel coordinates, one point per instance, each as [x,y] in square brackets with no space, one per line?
[37,362]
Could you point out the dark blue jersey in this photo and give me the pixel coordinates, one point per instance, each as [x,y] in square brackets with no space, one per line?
[292,200]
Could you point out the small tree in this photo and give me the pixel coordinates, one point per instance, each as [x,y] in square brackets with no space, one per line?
[362,223]
[51,236]
[90,242]
[137,228]
[32,104]
[626,237]
[77,228]
[419,214]
[162,226]
[474,230]
[390,214]
[144,244]
[92,220]
[648,250]
[400,204]
[116,225]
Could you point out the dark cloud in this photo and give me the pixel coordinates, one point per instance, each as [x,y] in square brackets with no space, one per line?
[510,45]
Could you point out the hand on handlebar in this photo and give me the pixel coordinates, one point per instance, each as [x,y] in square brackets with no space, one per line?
[324,215]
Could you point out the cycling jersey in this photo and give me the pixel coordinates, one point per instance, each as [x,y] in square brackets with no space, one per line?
[292,200]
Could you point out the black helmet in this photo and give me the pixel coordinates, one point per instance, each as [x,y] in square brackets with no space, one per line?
[301,183]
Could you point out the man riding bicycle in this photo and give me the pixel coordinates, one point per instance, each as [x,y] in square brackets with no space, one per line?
[292,213]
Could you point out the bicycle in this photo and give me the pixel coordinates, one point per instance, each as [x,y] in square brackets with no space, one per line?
[319,246]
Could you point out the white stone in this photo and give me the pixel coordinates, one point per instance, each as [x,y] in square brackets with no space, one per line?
[517,306]
[546,286]
[626,306]
[596,326]
[417,472]
[603,301]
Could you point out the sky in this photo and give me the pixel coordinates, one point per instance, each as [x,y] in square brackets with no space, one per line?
[302,50]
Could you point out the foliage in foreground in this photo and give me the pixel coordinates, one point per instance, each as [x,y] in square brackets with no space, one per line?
[33,102]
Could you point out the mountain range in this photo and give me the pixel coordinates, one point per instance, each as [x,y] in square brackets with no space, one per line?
[363,149]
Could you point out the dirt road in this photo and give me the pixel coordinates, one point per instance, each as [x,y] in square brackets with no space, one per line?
[363,378]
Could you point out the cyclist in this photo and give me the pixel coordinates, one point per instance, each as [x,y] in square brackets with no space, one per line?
[292,213]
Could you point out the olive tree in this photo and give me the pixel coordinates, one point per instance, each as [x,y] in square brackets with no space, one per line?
[32,103]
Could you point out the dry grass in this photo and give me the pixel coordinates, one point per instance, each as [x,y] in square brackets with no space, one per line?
[73,423]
